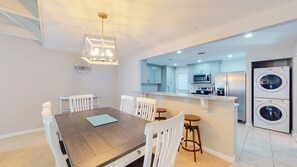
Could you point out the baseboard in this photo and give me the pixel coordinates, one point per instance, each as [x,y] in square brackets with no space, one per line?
[220,155]
[248,124]
[217,154]
[21,133]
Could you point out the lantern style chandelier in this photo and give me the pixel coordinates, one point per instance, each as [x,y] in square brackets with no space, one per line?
[100,49]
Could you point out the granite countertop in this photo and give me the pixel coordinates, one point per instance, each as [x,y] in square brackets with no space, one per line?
[196,96]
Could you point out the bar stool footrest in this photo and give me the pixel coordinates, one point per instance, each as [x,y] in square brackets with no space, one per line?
[191,150]
[160,118]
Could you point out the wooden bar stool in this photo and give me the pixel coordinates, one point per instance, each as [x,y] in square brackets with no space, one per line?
[188,126]
[159,111]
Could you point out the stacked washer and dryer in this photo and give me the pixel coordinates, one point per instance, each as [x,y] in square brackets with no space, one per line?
[272,98]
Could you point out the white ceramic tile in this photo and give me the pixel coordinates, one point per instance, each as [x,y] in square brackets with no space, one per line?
[257,133]
[287,149]
[282,138]
[242,164]
[255,160]
[239,145]
[241,138]
[278,164]
[258,142]
[284,159]
[260,151]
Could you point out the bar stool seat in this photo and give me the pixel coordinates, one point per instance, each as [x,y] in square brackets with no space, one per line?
[189,127]
[189,117]
[159,111]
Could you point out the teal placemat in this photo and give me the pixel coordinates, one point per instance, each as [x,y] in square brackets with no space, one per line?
[101,119]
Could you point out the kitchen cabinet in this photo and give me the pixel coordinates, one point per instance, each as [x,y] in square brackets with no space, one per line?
[198,69]
[215,67]
[212,67]
[168,79]
[153,73]
[143,71]
[150,73]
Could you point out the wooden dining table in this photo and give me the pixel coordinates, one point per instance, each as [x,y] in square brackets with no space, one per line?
[113,144]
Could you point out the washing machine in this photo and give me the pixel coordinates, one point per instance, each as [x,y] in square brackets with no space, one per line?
[272,82]
[272,114]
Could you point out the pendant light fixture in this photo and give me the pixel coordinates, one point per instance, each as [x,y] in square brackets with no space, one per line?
[100,49]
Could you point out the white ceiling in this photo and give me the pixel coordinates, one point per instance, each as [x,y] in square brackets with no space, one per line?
[137,24]
[279,35]
[140,24]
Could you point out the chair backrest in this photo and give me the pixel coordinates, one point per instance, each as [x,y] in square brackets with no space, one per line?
[52,137]
[145,108]
[127,104]
[46,105]
[169,134]
[81,102]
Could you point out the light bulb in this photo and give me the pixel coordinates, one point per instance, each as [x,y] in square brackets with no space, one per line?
[108,53]
[96,50]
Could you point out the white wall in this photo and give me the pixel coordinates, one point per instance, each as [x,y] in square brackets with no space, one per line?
[233,65]
[31,75]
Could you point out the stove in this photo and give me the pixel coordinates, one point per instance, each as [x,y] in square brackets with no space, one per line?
[203,91]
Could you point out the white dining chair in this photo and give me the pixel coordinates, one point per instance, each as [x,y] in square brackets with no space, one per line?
[46,105]
[145,108]
[164,138]
[52,137]
[127,104]
[81,102]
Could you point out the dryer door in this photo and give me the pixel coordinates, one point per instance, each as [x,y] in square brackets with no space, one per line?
[271,113]
[271,81]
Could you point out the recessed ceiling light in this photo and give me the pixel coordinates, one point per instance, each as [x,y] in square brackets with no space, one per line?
[179,52]
[248,35]
[199,61]
[230,56]
[175,64]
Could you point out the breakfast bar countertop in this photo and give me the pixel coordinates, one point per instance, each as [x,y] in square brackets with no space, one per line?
[188,95]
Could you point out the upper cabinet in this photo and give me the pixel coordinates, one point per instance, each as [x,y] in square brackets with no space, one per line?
[203,68]
[215,67]
[153,73]
[150,73]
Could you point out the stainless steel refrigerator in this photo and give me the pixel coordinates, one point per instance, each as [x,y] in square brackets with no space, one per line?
[233,84]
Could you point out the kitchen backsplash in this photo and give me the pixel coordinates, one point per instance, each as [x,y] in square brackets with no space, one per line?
[149,87]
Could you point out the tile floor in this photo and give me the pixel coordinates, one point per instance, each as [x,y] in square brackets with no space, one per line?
[256,147]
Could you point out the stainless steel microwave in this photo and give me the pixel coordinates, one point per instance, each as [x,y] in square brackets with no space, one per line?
[201,78]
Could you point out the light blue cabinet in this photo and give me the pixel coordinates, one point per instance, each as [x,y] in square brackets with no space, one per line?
[143,71]
[153,73]
[215,67]
[150,73]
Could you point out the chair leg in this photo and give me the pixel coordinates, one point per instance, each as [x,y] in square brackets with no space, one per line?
[180,144]
[186,136]
[198,132]
[194,145]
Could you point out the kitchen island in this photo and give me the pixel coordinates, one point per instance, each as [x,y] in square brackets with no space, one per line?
[218,118]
